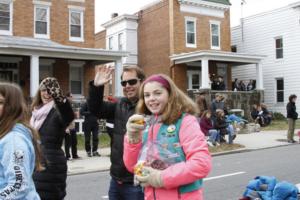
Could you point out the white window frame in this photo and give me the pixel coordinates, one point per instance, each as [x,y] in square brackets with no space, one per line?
[211,35]
[47,35]
[110,43]
[276,91]
[276,38]
[81,12]
[80,65]
[121,41]
[190,74]
[8,32]
[194,20]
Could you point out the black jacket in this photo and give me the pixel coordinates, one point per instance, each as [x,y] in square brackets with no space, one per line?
[221,124]
[51,182]
[119,112]
[291,110]
[89,117]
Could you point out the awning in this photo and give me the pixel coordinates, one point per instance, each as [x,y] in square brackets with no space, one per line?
[12,45]
[234,58]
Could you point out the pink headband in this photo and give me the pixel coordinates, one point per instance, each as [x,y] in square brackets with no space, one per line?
[159,79]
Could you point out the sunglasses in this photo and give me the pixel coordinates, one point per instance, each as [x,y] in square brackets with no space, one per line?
[130,82]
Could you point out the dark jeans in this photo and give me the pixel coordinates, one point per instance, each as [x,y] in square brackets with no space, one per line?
[124,191]
[88,129]
[71,141]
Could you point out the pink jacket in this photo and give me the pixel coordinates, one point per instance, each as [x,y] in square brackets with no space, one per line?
[197,165]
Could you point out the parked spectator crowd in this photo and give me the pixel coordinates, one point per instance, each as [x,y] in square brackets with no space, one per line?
[215,122]
[217,82]
[240,85]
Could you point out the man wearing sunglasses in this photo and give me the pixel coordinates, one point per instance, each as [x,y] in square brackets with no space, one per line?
[121,184]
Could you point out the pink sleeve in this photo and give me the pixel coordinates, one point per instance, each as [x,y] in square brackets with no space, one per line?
[130,154]
[198,159]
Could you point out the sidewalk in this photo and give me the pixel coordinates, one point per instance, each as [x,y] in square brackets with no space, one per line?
[252,141]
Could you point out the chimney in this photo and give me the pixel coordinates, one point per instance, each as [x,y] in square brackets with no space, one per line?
[113,15]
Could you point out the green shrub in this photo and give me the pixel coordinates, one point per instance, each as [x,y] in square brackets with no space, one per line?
[278,116]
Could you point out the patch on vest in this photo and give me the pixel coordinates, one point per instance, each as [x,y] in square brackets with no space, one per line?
[18,157]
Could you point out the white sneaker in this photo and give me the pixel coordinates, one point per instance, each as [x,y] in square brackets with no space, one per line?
[209,143]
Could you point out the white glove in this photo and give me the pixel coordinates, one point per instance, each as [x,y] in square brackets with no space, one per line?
[134,126]
[152,179]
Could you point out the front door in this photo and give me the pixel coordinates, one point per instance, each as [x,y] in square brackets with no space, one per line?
[194,79]
[6,76]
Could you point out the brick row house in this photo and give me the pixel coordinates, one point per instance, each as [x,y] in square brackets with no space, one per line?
[40,38]
[185,39]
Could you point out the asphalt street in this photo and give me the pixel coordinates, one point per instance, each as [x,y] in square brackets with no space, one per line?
[227,181]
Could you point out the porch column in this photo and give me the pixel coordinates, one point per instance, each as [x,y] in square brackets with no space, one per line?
[204,74]
[259,77]
[34,74]
[118,72]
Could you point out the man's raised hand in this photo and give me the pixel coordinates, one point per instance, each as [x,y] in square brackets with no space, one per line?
[103,74]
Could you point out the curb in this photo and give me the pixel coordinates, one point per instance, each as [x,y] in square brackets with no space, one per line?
[87,172]
[241,150]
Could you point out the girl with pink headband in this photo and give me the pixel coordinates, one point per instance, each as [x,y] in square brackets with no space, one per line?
[174,126]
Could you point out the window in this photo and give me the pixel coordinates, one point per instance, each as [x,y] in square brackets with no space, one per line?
[45,71]
[110,43]
[41,26]
[279,90]
[233,48]
[190,31]
[121,41]
[6,18]
[194,79]
[76,80]
[279,48]
[76,26]
[215,34]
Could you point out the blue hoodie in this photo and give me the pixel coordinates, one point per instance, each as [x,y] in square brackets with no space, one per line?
[17,161]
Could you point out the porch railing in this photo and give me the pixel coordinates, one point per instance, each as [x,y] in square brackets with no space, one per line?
[233,99]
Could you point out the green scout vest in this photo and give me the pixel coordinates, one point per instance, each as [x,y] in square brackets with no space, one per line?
[170,135]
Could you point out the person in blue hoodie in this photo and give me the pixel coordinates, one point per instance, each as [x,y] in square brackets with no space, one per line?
[19,150]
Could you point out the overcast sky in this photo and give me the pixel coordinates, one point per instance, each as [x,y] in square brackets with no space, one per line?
[104,8]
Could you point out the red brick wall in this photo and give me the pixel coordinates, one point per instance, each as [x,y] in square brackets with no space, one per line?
[100,40]
[154,39]
[61,72]
[88,74]
[180,76]
[23,21]
[24,75]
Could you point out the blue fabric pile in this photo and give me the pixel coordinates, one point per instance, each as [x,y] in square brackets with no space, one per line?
[235,118]
[268,188]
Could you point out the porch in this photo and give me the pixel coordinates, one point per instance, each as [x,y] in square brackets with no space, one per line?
[199,65]
[27,61]
[233,99]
